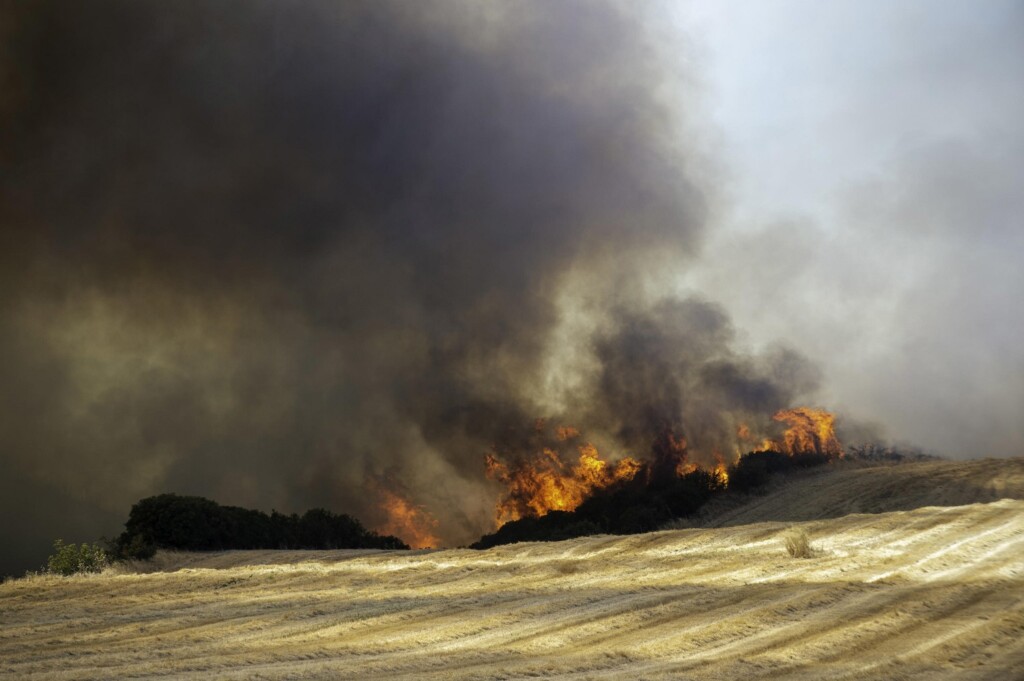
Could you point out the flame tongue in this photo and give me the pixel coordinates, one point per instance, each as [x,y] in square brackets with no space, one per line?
[721,471]
[409,522]
[533,488]
[810,430]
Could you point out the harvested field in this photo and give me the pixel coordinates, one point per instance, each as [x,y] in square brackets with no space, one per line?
[932,593]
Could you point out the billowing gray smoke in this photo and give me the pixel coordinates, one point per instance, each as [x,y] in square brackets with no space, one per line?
[261,251]
[673,368]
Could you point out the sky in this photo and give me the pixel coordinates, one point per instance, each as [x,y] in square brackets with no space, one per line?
[874,161]
[286,255]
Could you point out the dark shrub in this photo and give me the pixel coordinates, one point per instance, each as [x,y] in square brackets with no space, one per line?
[755,469]
[186,523]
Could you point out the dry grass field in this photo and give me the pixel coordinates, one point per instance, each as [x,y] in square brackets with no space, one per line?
[936,592]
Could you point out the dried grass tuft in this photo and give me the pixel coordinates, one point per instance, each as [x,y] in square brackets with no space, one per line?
[798,544]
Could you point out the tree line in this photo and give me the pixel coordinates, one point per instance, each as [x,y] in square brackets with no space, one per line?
[187,523]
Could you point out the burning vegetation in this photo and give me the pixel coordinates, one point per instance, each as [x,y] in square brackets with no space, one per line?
[810,430]
[403,518]
[567,488]
[546,483]
[410,522]
[544,497]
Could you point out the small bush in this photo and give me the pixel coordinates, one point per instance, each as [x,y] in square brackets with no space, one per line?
[71,559]
[798,545]
[567,567]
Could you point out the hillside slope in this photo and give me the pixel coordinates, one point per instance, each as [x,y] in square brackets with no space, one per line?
[933,593]
[835,491]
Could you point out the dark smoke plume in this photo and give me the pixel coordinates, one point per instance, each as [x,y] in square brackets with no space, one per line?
[262,252]
[673,368]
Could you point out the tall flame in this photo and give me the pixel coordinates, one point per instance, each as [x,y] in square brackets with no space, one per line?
[721,471]
[546,483]
[809,430]
[410,522]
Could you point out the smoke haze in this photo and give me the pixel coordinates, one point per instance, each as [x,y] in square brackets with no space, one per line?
[268,252]
[260,255]
[874,213]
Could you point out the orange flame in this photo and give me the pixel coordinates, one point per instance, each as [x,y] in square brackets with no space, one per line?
[721,471]
[546,483]
[810,430]
[685,468]
[563,433]
[533,488]
[411,523]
